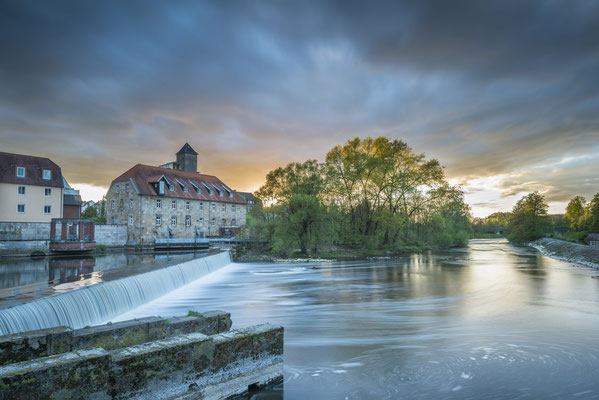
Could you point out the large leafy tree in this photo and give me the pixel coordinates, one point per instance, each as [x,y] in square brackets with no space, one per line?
[529,219]
[575,213]
[369,193]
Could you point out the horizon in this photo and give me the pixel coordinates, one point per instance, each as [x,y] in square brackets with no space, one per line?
[252,86]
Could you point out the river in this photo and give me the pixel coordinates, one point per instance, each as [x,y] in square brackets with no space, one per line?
[491,321]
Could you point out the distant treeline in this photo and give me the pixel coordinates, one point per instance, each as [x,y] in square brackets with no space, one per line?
[529,220]
[369,194]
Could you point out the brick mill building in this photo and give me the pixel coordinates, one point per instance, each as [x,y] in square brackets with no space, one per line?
[173,201]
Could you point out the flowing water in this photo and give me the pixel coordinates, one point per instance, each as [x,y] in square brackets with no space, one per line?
[92,305]
[492,321]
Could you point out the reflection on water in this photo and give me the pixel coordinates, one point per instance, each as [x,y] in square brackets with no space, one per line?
[26,279]
[491,321]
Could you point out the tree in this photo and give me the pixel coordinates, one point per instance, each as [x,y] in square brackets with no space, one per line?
[592,214]
[529,219]
[575,213]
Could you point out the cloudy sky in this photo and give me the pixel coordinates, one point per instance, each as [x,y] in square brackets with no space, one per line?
[505,94]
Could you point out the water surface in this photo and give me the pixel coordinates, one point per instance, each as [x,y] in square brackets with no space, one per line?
[492,321]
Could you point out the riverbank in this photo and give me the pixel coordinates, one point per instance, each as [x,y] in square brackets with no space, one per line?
[568,251]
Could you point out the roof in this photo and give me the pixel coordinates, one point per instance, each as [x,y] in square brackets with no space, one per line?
[33,170]
[247,196]
[144,178]
[187,149]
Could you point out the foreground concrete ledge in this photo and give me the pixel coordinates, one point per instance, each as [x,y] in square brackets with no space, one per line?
[46,342]
[190,365]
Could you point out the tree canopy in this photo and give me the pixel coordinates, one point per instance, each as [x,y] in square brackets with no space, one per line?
[369,193]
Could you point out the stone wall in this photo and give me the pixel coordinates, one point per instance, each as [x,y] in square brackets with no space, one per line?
[111,235]
[19,231]
[193,357]
[29,237]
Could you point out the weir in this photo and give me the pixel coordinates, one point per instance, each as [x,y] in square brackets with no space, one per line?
[98,303]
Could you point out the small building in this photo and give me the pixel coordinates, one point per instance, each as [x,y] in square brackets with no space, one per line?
[592,239]
[250,200]
[173,201]
[71,202]
[31,189]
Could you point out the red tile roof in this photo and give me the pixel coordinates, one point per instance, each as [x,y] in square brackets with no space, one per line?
[33,170]
[144,176]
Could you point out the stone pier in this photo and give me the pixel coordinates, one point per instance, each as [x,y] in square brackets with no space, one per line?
[191,357]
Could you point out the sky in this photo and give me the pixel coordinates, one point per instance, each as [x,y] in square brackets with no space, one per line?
[504,93]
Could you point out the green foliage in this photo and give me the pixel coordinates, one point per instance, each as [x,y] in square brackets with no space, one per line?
[529,219]
[369,194]
[492,224]
[100,248]
[575,213]
[592,215]
[192,313]
[99,215]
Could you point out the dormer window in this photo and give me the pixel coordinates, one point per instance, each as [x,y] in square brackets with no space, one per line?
[185,190]
[47,174]
[199,190]
[21,172]
[171,188]
[161,187]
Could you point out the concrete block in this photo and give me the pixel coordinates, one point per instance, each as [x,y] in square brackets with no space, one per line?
[265,340]
[146,367]
[116,335]
[79,374]
[34,344]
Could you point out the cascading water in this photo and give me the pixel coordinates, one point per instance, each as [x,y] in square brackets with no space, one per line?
[97,303]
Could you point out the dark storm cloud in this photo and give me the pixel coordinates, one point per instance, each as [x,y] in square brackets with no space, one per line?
[487,87]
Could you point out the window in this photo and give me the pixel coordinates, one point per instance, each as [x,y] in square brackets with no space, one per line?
[21,173]
[48,192]
[131,204]
[213,206]
[188,220]
[185,189]
[224,207]
[213,222]
[161,187]
[199,191]
[171,188]
[159,203]
[21,190]
[233,208]
[112,204]
[201,221]
[187,205]
[117,189]
[47,174]
[130,219]
[201,206]
[174,204]
[224,222]
[127,187]
[158,220]
[220,192]
[47,209]
[233,222]
[174,220]
[20,208]
[121,203]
